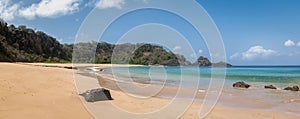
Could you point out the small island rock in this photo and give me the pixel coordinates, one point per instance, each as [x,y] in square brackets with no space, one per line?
[294,88]
[241,85]
[221,64]
[270,87]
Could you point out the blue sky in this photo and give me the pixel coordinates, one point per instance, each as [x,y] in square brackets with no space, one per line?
[254,32]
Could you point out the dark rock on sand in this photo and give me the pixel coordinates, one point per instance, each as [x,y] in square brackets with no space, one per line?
[270,87]
[294,88]
[94,95]
[241,85]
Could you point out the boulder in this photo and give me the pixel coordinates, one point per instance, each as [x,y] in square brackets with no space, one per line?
[294,88]
[94,95]
[241,85]
[270,87]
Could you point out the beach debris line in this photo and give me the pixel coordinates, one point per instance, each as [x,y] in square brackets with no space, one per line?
[95,95]
[270,87]
[294,88]
[241,84]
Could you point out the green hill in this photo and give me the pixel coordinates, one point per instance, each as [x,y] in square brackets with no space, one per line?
[145,54]
[22,44]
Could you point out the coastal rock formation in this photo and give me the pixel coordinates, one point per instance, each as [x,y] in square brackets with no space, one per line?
[241,85]
[23,44]
[94,95]
[221,64]
[270,87]
[203,61]
[294,88]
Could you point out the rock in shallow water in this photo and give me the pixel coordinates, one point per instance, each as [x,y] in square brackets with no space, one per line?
[270,87]
[294,88]
[241,85]
[94,95]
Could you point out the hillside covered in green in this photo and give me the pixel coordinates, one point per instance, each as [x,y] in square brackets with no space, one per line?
[22,44]
[142,53]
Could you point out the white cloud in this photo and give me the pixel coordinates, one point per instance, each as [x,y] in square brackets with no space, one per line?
[289,43]
[8,10]
[104,4]
[235,55]
[200,51]
[176,48]
[253,53]
[50,8]
[91,3]
[257,51]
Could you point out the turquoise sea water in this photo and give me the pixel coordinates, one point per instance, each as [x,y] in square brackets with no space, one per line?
[282,75]
[256,76]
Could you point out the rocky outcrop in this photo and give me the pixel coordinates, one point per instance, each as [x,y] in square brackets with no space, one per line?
[294,88]
[270,87]
[221,64]
[241,85]
[94,95]
[203,61]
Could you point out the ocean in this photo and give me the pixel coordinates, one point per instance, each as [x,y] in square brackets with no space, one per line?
[280,75]
[256,97]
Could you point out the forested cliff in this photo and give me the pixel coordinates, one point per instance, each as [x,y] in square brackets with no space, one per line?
[22,44]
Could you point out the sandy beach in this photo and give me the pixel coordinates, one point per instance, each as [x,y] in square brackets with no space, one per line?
[32,91]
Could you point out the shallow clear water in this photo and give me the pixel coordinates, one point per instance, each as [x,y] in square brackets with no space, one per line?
[256,76]
[281,75]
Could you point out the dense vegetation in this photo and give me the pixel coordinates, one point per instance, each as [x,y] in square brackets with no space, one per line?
[22,44]
[145,54]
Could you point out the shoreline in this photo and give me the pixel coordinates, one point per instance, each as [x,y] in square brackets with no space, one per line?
[224,101]
[59,79]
